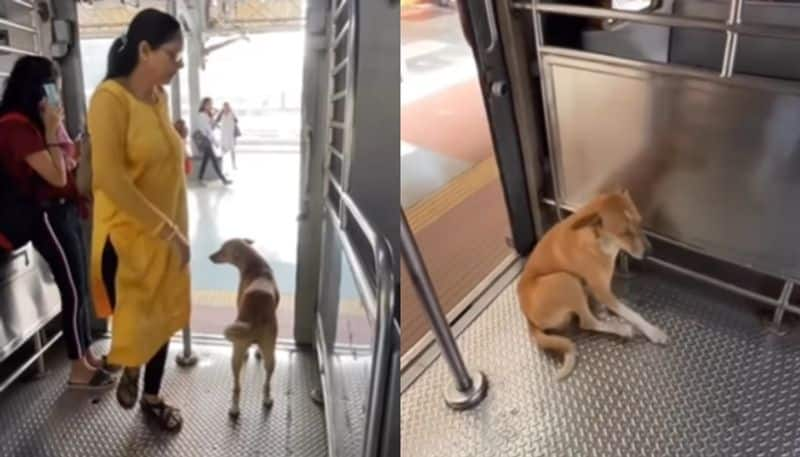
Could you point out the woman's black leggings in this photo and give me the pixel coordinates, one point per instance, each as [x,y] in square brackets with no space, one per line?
[59,240]
[154,370]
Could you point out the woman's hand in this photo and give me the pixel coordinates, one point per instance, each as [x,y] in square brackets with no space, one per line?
[181,246]
[177,242]
[52,116]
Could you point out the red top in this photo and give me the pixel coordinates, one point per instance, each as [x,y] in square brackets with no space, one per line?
[21,139]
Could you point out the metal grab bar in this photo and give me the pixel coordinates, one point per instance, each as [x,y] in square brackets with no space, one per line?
[470,388]
[13,25]
[37,357]
[18,51]
[665,20]
[24,3]
[380,300]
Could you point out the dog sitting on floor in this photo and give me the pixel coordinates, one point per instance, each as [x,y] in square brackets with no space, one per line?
[576,256]
[256,302]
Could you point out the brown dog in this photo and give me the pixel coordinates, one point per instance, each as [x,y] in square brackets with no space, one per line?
[256,303]
[575,256]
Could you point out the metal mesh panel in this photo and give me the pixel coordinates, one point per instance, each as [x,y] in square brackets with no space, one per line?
[43,418]
[721,387]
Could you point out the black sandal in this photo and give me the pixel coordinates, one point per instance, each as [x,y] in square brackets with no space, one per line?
[168,417]
[128,389]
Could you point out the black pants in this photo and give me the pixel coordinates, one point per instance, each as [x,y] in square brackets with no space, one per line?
[208,154]
[154,370]
[59,240]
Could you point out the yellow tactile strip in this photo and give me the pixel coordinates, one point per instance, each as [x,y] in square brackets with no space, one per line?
[460,249]
[427,211]
[227,299]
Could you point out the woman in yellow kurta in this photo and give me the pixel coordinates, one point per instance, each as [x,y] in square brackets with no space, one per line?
[140,252]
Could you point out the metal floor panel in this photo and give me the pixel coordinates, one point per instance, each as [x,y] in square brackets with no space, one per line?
[722,386]
[42,418]
[355,397]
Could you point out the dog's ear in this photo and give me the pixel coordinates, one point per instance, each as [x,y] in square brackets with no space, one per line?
[247,240]
[589,220]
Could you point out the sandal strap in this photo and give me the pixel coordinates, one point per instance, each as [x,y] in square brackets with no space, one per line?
[169,416]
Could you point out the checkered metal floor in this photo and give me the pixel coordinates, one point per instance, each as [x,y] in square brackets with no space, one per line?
[42,418]
[723,386]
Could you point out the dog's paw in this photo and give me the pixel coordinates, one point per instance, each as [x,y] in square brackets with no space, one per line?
[268,402]
[602,313]
[233,413]
[626,330]
[657,336]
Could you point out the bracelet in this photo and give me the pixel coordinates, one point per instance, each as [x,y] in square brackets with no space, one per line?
[160,227]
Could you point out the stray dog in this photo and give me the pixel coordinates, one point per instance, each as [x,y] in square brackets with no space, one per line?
[256,303]
[578,255]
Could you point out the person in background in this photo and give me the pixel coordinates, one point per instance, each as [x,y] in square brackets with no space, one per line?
[140,250]
[39,160]
[229,126]
[183,132]
[205,141]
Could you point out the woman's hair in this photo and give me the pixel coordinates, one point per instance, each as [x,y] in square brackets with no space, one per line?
[24,89]
[205,101]
[150,25]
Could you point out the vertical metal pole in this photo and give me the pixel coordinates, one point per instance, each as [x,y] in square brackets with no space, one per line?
[469,389]
[624,267]
[731,38]
[349,86]
[71,69]
[195,56]
[187,358]
[175,86]
[777,318]
[37,346]
[195,44]
[539,40]
[382,354]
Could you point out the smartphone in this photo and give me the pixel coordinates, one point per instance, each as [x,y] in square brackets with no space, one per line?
[51,91]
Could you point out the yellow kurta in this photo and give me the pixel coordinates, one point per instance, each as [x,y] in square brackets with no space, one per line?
[138,183]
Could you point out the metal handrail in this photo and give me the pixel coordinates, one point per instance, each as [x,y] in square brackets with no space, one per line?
[378,295]
[664,20]
[37,357]
[470,388]
[18,51]
[24,3]
[13,25]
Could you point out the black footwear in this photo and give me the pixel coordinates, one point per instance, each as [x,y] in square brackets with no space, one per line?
[168,417]
[128,388]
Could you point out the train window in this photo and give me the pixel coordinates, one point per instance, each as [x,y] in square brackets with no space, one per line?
[636,41]
[767,57]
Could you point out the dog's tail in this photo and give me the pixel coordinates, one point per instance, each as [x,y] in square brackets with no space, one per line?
[560,344]
[237,330]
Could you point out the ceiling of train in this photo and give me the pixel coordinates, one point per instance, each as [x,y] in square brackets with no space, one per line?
[108,18]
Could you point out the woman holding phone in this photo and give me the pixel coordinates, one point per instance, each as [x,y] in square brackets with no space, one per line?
[39,160]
